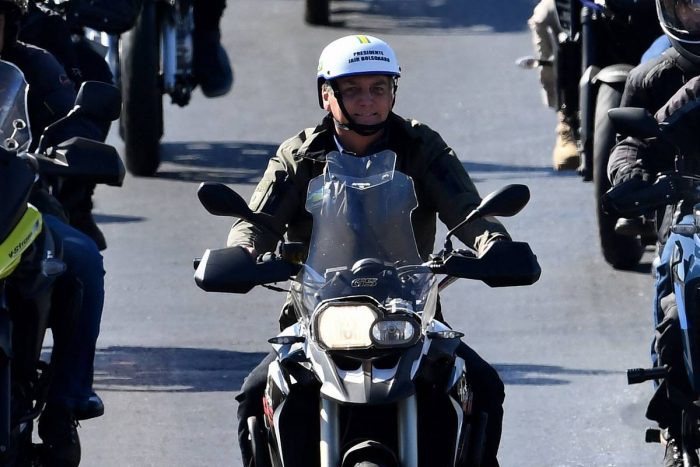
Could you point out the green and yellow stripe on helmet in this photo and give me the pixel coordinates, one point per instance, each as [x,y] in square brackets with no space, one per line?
[22,236]
[363,39]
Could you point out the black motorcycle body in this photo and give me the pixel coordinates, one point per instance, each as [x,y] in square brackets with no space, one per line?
[599,44]
[368,366]
[34,293]
[155,59]
[148,47]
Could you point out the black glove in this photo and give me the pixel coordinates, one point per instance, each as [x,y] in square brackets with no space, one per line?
[632,172]
[636,196]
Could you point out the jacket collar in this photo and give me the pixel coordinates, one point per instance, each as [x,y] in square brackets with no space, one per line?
[320,142]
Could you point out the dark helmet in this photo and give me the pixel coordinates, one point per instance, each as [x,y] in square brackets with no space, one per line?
[680,21]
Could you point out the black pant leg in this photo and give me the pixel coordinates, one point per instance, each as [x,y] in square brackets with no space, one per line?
[489,394]
[250,404]
[207,14]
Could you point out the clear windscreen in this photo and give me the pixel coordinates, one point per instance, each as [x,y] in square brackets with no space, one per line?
[14,124]
[362,242]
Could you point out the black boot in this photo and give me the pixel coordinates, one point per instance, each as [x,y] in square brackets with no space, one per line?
[76,199]
[92,407]
[212,68]
[58,430]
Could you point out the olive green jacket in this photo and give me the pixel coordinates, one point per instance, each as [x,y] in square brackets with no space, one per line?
[443,187]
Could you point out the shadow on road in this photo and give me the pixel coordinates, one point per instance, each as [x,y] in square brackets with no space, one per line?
[225,162]
[172,369]
[242,162]
[179,369]
[541,375]
[432,16]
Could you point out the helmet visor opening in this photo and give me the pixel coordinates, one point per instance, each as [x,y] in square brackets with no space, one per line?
[681,19]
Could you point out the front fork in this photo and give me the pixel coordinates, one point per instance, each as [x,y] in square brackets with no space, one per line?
[407,423]
[176,28]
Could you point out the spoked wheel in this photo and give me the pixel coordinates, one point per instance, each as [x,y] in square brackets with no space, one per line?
[317,12]
[620,251]
[141,124]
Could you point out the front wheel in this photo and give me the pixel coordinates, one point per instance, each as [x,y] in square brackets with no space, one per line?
[141,121]
[317,12]
[620,251]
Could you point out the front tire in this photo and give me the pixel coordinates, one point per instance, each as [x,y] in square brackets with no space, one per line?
[141,121]
[620,251]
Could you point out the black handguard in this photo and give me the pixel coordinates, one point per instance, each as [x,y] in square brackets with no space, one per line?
[234,270]
[636,197]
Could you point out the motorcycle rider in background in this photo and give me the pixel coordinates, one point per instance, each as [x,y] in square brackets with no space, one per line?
[545,28]
[359,96]
[638,162]
[651,84]
[82,63]
[52,33]
[51,96]
[635,161]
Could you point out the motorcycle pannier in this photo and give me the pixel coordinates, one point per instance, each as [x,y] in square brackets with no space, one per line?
[110,16]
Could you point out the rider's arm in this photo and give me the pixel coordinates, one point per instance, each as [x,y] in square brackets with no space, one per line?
[454,195]
[276,194]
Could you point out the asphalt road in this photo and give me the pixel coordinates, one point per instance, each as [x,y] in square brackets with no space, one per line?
[171,358]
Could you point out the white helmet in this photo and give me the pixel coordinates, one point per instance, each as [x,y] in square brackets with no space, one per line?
[355,55]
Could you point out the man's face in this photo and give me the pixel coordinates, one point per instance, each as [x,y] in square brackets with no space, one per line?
[688,14]
[368,99]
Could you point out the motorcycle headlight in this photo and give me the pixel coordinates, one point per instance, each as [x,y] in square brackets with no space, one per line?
[394,332]
[345,326]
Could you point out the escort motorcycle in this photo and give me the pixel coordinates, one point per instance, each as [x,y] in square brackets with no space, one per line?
[368,365]
[34,294]
[148,60]
[600,43]
[681,189]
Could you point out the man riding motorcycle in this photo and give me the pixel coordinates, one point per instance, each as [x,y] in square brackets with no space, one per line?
[357,81]
[650,85]
[545,28]
[51,95]
[633,160]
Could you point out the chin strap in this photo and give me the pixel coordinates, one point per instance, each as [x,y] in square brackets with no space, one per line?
[360,129]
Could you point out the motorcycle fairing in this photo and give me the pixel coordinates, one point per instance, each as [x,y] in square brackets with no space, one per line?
[686,283]
[19,240]
[15,133]
[16,181]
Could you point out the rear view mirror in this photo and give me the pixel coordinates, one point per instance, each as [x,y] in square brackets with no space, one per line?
[83,159]
[634,121]
[98,100]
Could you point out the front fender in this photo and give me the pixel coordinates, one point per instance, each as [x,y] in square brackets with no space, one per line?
[613,74]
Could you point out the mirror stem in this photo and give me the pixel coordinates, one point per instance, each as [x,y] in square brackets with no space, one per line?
[448,242]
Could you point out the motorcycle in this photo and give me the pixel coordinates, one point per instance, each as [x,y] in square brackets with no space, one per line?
[34,294]
[601,41]
[681,189]
[368,357]
[148,60]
